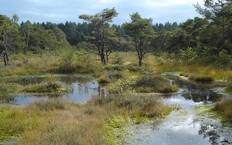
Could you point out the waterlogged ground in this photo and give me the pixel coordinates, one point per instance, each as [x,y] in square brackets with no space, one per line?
[185,126]
[82,88]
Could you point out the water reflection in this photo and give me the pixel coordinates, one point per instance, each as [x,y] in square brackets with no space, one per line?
[83,87]
[183,126]
[82,92]
[24,99]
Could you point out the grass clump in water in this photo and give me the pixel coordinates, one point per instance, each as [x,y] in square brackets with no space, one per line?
[200,78]
[154,83]
[138,107]
[110,76]
[51,85]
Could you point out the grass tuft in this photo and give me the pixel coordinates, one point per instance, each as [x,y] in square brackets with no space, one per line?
[49,105]
[226,109]
[154,83]
[110,76]
[200,78]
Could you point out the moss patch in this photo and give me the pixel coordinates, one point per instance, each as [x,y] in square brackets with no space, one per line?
[206,111]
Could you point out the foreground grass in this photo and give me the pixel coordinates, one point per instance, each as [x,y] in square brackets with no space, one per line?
[57,121]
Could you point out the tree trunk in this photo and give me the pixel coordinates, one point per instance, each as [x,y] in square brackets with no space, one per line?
[140,61]
[5,58]
[103,60]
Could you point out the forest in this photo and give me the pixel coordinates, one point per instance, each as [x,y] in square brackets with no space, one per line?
[200,40]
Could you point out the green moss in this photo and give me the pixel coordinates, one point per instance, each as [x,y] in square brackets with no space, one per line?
[115,130]
[184,112]
[207,111]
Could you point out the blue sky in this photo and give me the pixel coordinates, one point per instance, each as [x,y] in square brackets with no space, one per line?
[60,11]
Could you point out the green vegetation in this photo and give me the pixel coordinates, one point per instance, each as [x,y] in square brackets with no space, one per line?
[50,85]
[208,73]
[225,108]
[207,111]
[153,83]
[221,110]
[57,121]
[110,76]
[130,57]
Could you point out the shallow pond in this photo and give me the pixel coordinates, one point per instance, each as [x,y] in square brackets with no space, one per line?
[83,87]
[183,126]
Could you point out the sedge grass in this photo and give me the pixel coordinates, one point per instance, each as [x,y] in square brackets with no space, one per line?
[207,71]
[58,121]
[225,109]
[153,83]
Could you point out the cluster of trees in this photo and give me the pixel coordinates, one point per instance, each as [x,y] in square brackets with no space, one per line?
[200,40]
[28,37]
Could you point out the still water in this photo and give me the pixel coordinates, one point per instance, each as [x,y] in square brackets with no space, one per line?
[83,87]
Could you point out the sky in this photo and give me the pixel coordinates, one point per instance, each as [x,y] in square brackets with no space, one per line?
[60,11]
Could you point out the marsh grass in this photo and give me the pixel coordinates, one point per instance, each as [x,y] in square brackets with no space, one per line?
[137,107]
[207,111]
[110,76]
[49,105]
[51,85]
[58,121]
[202,72]
[229,89]
[200,78]
[154,83]
[226,111]
[54,121]
[221,110]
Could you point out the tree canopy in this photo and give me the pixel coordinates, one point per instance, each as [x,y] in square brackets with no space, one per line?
[206,39]
[140,29]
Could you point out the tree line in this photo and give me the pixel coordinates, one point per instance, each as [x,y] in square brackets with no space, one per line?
[205,39]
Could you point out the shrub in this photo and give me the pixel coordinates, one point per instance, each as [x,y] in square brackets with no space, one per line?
[117,59]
